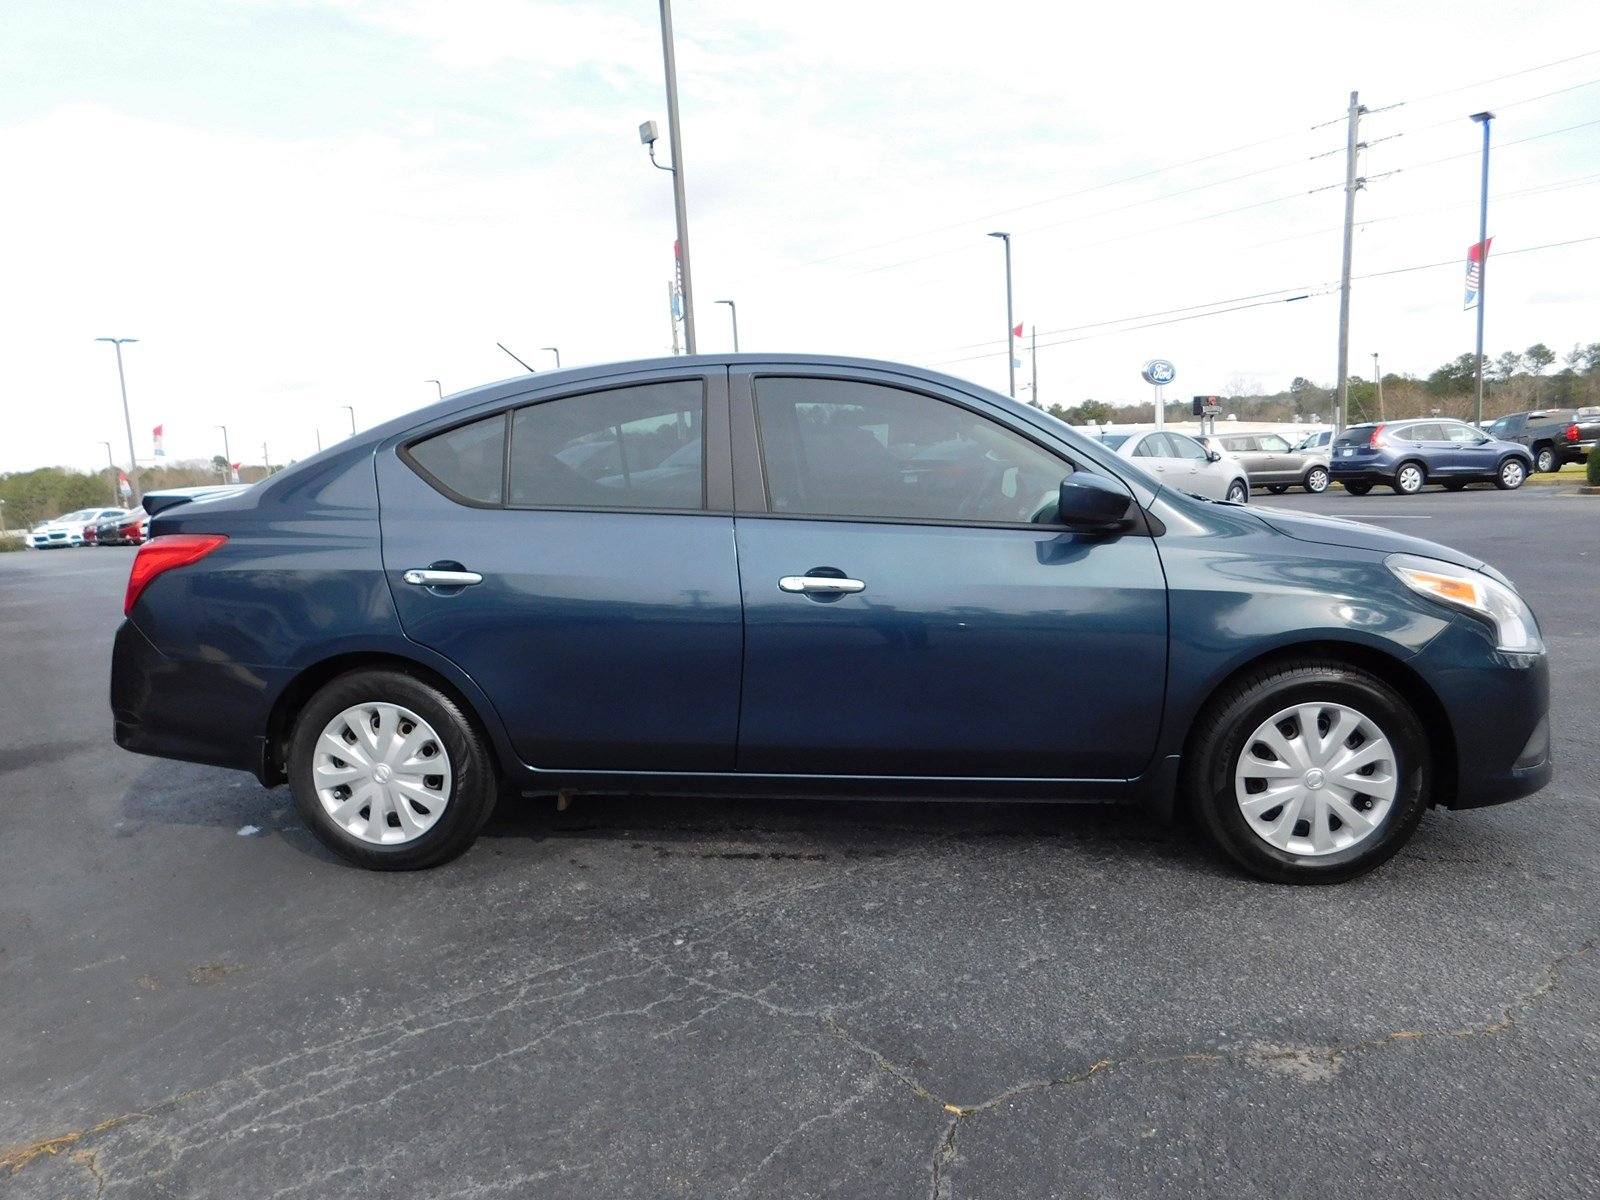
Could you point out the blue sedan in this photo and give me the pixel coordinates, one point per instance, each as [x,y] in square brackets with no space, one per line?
[807,576]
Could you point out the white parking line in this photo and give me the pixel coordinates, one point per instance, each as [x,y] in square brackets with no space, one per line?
[1392,517]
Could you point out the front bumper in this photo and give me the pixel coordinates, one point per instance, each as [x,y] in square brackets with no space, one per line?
[1498,707]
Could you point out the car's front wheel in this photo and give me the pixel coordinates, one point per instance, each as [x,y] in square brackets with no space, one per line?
[1511,475]
[1239,492]
[1317,479]
[1309,772]
[389,772]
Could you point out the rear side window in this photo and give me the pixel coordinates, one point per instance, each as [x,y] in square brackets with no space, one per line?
[632,447]
[466,463]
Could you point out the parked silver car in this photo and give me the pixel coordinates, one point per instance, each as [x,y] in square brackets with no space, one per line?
[1181,462]
[1276,465]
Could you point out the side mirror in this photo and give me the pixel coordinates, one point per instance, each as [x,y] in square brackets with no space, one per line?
[1090,504]
[1213,456]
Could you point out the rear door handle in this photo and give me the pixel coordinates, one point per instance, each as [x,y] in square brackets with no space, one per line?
[428,577]
[820,585]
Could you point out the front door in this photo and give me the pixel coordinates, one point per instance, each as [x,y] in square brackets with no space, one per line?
[601,613]
[909,611]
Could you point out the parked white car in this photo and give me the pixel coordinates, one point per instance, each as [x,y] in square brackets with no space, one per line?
[68,530]
[1180,462]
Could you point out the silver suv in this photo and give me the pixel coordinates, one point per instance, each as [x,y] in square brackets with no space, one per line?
[1276,465]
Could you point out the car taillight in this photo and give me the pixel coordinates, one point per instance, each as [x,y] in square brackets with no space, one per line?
[1377,438]
[163,554]
[1572,433]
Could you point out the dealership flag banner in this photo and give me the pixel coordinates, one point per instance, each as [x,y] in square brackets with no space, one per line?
[235,467]
[123,486]
[1475,256]
[155,435]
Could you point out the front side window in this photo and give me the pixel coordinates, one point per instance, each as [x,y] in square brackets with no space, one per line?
[844,448]
[1464,435]
[1274,444]
[629,447]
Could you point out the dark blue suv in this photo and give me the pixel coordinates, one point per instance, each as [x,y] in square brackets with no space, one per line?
[1408,455]
[804,576]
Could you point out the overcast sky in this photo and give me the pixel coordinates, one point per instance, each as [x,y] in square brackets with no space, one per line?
[298,206]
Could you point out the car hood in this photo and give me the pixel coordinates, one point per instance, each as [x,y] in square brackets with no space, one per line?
[1335,531]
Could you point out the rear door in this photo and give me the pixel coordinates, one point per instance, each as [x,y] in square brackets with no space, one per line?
[910,612]
[598,597]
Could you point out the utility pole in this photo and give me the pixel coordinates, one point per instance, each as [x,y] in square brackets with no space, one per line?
[1033,331]
[675,144]
[266,458]
[1011,337]
[672,313]
[1351,186]
[1482,118]
[112,463]
[133,459]
[227,455]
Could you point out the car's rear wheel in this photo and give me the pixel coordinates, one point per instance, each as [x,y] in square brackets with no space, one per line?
[1511,475]
[1316,479]
[1546,461]
[1453,487]
[389,772]
[1309,772]
[1358,489]
[1408,480]
[1239,492]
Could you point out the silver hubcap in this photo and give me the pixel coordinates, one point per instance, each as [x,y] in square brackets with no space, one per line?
[1315,779]
[1410,479]
[1317,481]
[381,773]
[1512,473]
[1238,493]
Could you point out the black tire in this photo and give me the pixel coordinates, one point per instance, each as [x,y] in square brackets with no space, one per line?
[1219,740]
[1358,489]
[1277,489]
[1453,487]
[466,804]
[1409,478]
[1545,460]
[1511,474]
[1239,492]
[1316,480]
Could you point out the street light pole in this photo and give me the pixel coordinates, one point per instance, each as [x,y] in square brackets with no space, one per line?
[122,379]
[435,383]
[352,413]
[1011,337]
[112,463]
[733,311]
[1377,377]
[1482,118]
[227,455]
[675,144]
[556,352]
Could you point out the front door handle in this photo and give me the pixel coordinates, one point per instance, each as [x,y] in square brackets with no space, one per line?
[428,577]
[820,585]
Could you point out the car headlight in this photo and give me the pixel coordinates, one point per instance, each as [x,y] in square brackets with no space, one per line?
[1496,602]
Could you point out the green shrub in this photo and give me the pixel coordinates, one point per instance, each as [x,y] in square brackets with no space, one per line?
[1594,467]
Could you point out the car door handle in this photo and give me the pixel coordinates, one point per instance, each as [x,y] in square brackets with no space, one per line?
[431,578]
[820,585]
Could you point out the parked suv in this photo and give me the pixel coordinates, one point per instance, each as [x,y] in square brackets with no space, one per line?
[1276,465]
[1408,454]
[1555,436]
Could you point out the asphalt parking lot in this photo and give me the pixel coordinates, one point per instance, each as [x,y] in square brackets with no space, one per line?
[657,998]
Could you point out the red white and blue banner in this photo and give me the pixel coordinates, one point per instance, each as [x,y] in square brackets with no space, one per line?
[155,435]
[1475,256]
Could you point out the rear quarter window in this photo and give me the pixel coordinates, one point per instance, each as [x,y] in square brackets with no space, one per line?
[465,463]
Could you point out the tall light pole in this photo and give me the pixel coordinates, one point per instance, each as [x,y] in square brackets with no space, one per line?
[556,352]
[351,410]
[1011,337]
[435,383]
[227,454]
[1377,377]
[1483,119]
[733,311]
[1351,186]
[112,463]
[133,461]
[647,134]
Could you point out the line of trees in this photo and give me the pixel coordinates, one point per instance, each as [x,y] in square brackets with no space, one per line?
[1513,382]
[38,495]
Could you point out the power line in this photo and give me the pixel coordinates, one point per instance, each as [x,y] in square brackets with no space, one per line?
[1485,82]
